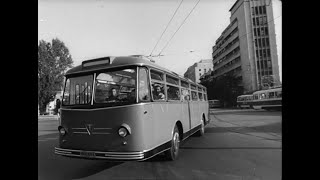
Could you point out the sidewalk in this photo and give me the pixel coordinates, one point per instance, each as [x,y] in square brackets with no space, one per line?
[228,110]
[47,117]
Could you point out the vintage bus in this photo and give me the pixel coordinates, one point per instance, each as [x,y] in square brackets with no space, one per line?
[215,103]
[269,99]
[128,108]
[245,101]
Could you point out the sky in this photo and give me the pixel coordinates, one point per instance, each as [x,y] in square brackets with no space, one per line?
[98,28]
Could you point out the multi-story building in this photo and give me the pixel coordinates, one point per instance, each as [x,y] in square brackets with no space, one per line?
[195,71]
[247,47]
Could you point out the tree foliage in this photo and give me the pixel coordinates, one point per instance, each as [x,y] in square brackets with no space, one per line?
[53,61]
[224,88]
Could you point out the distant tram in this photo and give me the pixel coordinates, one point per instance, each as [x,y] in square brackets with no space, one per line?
[270,99]
[245,101]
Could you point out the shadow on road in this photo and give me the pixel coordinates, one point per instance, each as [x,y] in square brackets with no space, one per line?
[269,128]
[52,166]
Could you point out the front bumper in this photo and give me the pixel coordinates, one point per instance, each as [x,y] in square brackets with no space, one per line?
[121,156]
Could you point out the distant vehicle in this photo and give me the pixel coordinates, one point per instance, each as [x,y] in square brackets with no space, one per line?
[245,101]
[270,99]
[215,103]
[128,108]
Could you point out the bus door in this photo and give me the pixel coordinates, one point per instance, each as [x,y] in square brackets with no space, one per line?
[194,109]
[186,107]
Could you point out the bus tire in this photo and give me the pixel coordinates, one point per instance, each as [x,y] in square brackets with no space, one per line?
[201,130]
[172,153]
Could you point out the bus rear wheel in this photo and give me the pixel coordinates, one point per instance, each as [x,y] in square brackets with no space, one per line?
[201,130]
[173,152]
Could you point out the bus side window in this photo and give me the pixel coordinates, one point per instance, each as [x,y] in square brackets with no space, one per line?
[157,91]
[173,93]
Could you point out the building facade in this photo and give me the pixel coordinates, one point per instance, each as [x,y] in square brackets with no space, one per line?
[195,71]
[247,47]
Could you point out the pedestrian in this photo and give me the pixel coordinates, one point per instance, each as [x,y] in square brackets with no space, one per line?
[58,104]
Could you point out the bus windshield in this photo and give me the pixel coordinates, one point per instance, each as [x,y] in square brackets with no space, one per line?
[116,86]
[77,90]
[112,86]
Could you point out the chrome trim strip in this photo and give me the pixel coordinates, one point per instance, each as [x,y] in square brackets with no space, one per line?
[80,132]
[97,109]
[93,133]
[154,154]
[75,150]
[102,155]
[93,88]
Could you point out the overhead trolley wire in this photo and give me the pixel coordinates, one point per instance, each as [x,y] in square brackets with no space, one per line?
[179,28]
[166,27]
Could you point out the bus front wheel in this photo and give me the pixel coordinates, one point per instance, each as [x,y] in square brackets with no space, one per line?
[172,153]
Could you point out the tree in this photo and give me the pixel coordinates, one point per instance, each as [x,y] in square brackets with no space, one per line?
[53,61]
[225,88]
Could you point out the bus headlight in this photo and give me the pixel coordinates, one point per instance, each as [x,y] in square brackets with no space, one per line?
[124,130]
[62,130]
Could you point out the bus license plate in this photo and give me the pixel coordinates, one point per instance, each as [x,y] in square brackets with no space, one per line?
[87,154]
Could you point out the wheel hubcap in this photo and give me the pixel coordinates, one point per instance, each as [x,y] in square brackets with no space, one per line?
[176,142]
[202,126]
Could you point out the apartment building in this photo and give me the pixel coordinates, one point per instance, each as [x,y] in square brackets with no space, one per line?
[195,71]
[247,47]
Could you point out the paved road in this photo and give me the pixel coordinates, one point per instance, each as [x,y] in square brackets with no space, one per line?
[237,145]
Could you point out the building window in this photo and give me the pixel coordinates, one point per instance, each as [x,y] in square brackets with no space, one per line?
[268,53]
[199,69]
[267,42]
[255,31]
[256,43]
[266,30]
[253,11]
[257,21]
[264,10]
[260,9]
[269,64]
[264,20]
[262,32]
[254,21]
[263,42]
[260,21]
[265,54]
[259,40]
[258,32]
[256,10]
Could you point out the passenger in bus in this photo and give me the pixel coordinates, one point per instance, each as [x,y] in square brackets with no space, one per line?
[132,95]
[114,95]
[158,93]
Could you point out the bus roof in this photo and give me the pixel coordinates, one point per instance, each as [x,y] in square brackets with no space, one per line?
[268,90]
[120,61]
[245,95]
